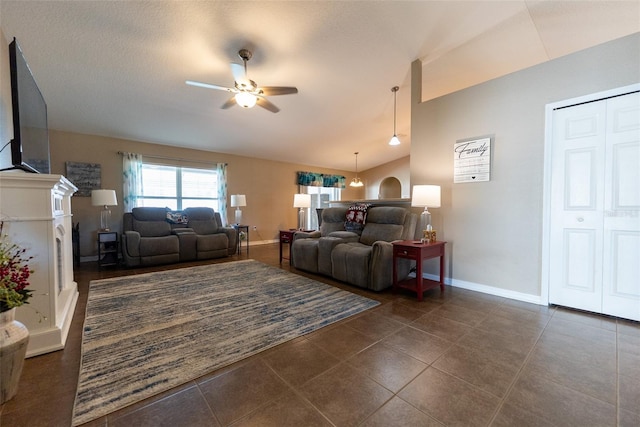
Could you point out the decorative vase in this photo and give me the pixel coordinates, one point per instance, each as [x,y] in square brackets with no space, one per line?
[14,338]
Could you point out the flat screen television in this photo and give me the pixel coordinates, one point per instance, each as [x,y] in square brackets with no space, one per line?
[30,143]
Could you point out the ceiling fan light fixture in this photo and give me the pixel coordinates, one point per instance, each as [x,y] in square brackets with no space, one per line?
[394,139]
[246,99]
[245,91]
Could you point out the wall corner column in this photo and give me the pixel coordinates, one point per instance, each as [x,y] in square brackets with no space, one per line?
[416,83]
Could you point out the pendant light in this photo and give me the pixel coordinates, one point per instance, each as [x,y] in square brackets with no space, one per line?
[356,182]
[394,139]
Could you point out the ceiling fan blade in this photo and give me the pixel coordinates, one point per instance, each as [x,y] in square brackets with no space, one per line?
[239,72]
[277,90]
[266,104]
[209,86]
[230,103]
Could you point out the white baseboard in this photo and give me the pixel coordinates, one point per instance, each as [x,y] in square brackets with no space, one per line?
[261,242]
[491,290]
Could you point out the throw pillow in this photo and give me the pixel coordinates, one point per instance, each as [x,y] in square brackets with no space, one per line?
[177,217]
[356,217]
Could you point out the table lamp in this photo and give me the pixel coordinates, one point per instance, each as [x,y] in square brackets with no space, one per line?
[301,201]
[426,196]
[238,200]
[104,198]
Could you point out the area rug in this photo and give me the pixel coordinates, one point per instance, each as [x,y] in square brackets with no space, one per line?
[147,333]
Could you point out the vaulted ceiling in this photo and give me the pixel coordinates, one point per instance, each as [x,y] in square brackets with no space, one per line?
[118,68]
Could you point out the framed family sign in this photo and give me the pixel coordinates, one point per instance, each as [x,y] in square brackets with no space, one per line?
[472,160]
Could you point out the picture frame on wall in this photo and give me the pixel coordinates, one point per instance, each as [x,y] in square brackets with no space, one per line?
[472,160]
[85,176]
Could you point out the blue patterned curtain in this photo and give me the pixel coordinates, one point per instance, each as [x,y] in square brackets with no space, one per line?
[313,179]
[132,180]
[222,191]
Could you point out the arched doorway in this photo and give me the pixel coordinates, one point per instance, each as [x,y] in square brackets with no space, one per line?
[390,188]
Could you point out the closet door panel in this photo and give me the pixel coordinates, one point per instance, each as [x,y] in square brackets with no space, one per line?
[621,224]
[577,188]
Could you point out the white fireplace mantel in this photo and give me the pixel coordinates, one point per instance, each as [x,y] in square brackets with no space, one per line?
[36,212]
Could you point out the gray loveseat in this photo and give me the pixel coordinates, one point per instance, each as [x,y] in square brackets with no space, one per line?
[152,237]
[365,259]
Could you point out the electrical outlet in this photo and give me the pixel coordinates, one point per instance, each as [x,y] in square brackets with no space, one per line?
[255,227]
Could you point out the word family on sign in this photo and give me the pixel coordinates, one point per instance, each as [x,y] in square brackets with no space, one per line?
[472,160]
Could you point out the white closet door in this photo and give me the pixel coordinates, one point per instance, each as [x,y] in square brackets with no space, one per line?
[577,201]
[594,253]
[621,264]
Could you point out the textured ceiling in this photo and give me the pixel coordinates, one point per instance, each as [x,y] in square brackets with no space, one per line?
[118,68]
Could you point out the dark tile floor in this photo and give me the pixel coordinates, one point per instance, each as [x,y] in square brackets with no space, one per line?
[458,358]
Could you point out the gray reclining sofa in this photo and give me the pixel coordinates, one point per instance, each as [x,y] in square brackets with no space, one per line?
[365,258]
[153,236]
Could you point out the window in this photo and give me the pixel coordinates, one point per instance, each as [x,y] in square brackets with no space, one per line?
[320,196]
[178,187]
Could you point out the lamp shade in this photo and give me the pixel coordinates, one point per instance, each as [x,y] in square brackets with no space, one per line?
[426,196]
[104,198]
[302,200]
[238,200]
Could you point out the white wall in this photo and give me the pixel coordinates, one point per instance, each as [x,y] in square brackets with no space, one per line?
[494,228]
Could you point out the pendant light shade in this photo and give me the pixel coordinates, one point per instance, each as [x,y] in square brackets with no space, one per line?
[394,139]
[356,182]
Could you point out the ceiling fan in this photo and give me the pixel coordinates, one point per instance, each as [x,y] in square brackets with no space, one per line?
[246,91]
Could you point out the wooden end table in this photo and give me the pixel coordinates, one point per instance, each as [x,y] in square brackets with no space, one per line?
[107,248]
[417,251]
[239,228]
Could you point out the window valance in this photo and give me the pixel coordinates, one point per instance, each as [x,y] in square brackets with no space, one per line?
[313,179]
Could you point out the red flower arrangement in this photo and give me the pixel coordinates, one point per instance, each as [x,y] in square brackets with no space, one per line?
[14,274]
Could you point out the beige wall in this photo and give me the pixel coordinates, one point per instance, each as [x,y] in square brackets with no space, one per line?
[268,185]
[494,228]
[374,176]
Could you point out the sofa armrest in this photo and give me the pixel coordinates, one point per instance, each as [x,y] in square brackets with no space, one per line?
[381,267]
[187,241]
[232,235]
[184,230]
[131,243]
[306,235]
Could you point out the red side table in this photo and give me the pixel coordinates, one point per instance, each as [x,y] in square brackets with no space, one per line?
[286,236]
[418,252]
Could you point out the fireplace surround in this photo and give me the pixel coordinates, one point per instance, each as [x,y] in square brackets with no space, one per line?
[36,211]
